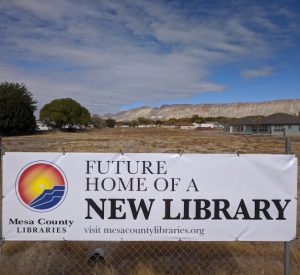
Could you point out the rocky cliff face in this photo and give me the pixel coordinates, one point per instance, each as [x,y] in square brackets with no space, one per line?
[291,106]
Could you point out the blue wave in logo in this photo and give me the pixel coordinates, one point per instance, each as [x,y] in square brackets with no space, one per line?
[49,198]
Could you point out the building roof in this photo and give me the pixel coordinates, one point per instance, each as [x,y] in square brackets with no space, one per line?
[274,119]
[281,118]
[248,120]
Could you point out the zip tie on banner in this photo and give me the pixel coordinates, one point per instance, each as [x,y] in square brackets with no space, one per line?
[122,153]
[2,241]
[180,153]
[64,151]
[238,153]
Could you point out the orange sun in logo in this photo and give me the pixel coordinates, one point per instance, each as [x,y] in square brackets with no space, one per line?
[41,186]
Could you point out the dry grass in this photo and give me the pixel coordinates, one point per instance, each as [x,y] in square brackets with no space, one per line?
[147,140]
[152,257]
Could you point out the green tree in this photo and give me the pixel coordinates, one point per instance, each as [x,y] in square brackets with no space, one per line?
[111,123]
[65,112]
[133,123]
[144,121]
[85,117]
[171,121]
[158,122]
[185,120]
[98,122]
[17,108]
[197,119]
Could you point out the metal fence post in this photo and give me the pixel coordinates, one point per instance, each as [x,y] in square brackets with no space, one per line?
[1,187]
[287,251]
[287,245]
[1,193]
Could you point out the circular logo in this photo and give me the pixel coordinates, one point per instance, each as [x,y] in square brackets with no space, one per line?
[41,186]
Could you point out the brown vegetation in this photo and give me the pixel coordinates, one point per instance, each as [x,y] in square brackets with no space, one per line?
[148,140]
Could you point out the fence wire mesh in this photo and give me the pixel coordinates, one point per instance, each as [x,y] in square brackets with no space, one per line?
[147,258]
[66,257]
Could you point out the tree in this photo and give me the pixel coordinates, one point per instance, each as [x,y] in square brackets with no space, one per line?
[144,121]
[158,122]
[133,123]
[65,112]
[111,123]
[98,122]
[184,120]
[197,119]
[85,116]
[17,108]
[171,121]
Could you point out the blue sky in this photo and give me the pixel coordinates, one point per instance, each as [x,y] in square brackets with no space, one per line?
[114,55]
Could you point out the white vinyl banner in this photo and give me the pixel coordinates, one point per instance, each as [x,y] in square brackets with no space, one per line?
[114,197]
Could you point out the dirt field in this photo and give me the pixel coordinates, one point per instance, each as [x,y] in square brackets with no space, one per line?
[168,141]
[149,140]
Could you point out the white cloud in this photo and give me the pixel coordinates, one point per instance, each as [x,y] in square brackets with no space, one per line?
[260,72]
[111,53]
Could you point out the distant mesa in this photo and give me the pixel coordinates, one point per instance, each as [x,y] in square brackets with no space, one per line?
[231,110]
[49,198]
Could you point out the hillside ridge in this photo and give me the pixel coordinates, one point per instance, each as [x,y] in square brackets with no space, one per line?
[240,109]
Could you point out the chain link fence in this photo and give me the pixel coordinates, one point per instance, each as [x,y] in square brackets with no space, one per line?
[107,258]
[146,258]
